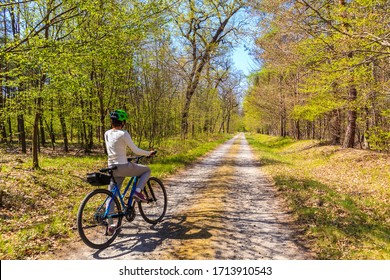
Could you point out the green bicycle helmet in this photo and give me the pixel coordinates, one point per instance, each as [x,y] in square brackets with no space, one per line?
[119,115]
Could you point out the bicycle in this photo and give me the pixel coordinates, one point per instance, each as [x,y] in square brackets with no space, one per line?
[102,208]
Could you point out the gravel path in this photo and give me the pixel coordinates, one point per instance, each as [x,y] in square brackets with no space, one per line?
[223,208]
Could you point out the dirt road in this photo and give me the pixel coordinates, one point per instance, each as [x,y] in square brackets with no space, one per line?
[222,208]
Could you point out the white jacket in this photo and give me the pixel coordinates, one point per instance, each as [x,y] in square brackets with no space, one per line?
[116,142]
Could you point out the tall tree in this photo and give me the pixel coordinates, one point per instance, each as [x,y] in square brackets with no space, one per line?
[204,25]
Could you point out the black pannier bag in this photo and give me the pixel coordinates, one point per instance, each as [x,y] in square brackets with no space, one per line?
[98,179]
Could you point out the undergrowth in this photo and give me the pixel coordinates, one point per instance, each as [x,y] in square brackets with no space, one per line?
[340,197]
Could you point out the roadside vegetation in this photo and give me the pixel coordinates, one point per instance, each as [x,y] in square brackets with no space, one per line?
[340,197]
[38,208]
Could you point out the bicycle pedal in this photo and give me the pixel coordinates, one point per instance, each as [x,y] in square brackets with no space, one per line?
[116,230]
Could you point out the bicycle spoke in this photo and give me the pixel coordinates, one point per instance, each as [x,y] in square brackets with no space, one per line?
[154,209]
[93,221]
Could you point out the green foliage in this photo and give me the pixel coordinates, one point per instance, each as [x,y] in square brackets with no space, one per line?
[379,139]
[74,61]
[316,107]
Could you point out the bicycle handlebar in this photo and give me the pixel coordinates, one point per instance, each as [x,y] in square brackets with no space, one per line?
[141,157]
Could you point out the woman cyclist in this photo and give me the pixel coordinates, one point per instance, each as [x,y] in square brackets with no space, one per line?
[117,140]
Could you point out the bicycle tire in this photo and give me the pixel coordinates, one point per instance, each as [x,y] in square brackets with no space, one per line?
[154,210]
[92,225]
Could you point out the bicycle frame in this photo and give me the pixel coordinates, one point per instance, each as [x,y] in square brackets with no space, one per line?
[133,181]
[115,190]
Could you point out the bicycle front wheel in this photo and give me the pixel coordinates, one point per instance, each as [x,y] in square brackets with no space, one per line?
[98,215]
[154,209]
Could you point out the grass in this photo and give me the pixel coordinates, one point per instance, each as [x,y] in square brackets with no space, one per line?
[38,208]
[340,197]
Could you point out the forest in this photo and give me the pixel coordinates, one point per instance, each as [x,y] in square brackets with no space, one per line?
[325,72]
[322,70]
[66,64]
[314,106]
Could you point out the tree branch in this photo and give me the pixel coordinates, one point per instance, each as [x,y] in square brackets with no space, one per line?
[329,22]
[2,5]
[36,31]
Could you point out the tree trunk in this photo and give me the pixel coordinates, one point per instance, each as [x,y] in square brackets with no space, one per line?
[35,140]
[10,129]
[2,97]
[90,128]
[42,131]
[64,132]
[335,128]
[349,139]
[282,109]
[22,133]
[222,126]
[191,88]
[102,118]
[52,135]
[313,130]
[3,132]
[308,129]
[228,122]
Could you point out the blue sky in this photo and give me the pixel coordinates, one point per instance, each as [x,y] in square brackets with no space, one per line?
[242,60]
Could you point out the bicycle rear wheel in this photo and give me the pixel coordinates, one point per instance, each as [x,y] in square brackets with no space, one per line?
[154,209]
[93,221]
